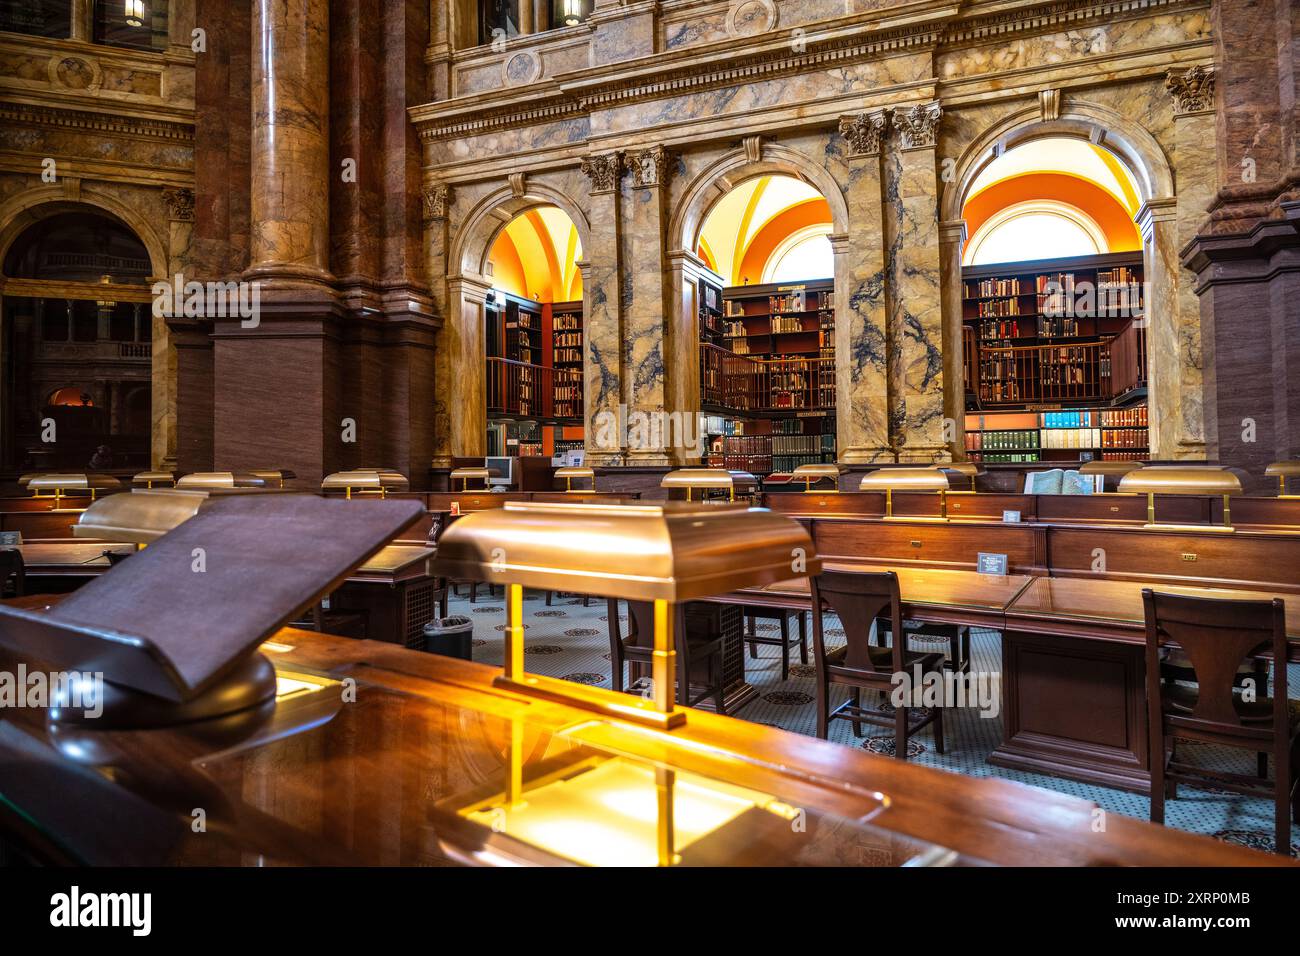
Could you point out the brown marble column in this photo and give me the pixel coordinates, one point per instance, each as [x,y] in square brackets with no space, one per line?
[682,353]
[952,237]
[290,144]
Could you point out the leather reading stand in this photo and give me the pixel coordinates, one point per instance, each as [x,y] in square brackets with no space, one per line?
[176,644]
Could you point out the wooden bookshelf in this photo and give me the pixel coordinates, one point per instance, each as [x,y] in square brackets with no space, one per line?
[1051,347]
[534,359]
[767,375]
[566,353]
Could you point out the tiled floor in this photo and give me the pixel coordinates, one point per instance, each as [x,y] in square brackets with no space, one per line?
[571,641]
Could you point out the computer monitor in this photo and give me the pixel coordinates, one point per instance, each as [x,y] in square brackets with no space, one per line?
[503,467]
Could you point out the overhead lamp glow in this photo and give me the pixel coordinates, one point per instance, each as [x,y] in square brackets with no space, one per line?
[134,10]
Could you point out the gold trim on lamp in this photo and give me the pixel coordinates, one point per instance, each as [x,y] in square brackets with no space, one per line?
[890,480]
[1283,470]
[465,474]
[708,479]
[659,553]
[578,472]
[1189,480]
[59,484]
[365,481]
[151,478]
[811,474]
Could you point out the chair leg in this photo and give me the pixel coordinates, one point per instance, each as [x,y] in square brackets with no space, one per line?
[1262,765]
[900,733]
[586,600]
[823,706]
[856,697]
[548,598]
[803,638]
[473,591]
[1282,820]
[751,627]
[938,730]
[719,692]
[1158,784]
[785,647]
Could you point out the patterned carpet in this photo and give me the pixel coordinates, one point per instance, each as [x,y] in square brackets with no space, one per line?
[571,641]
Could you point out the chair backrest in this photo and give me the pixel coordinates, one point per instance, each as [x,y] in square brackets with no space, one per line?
[12,566]
[858,598]
[1216,635]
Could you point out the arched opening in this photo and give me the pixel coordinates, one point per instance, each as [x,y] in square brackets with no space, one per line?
[766,305]
[534,337]
[1053,306]
[75,339]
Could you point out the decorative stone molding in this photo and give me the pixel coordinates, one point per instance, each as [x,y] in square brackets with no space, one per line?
[434,196]
[180,204]
[864,132]
[753,148]
[602,170]
[917,125]
[747,18]
[649,167]
[522,67]
[1192,90]
[1049,105]
[518,185]
[88,122]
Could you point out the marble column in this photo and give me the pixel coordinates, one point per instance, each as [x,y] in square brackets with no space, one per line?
[644,333]
[463,347]
[290,143]
[602,366]
[861,373]
[1197,174]
[915,307]
[180,237]
[952,237]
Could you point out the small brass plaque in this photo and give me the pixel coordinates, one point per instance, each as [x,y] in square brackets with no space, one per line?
[1189,556]
[915,543]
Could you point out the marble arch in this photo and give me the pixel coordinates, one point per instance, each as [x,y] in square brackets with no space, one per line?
[463,349]
[1175,424]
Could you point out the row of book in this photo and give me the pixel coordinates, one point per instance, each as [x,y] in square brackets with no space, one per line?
[1002,440]
[998,308]
[989,287]
[573,339]
[567,356]
[567,322]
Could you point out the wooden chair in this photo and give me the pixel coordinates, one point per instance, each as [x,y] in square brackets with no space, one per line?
[958,635]
[693,649]
[783,617]
[1216,636]
[12,569]
[586,598]
[858,599]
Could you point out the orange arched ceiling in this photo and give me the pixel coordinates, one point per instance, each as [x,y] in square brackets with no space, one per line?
[1120,231]
[535,257]
[786,223]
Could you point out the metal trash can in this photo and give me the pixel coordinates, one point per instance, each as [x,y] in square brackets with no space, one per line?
[449,636]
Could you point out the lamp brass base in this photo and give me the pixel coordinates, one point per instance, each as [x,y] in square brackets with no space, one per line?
[604,702]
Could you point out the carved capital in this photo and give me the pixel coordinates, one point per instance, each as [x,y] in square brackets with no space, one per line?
[180,204]
[1192,90]
[649,167]
[434,196]
[602,170]
[518,184]
[918,125]
[864,132]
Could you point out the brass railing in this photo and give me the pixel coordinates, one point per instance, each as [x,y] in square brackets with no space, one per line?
[534,391]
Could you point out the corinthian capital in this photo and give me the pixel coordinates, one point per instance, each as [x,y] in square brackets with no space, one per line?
[917,125]
[1192,90]
[649,167]
[864,131]
[603,171]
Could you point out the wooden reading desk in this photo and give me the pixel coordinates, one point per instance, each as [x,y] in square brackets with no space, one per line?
[1073,673]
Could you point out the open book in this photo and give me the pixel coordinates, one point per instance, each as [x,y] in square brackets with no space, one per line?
[1061,482]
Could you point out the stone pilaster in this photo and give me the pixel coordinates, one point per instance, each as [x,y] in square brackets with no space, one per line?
[861,373]
[645,302]
[916,367]
[461,370]
[434,200]
[952,238]
[603,322]
[683,351]
[180,235]
[1157,221]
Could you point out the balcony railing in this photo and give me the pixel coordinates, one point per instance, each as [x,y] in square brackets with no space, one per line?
[533,391]
[744,384]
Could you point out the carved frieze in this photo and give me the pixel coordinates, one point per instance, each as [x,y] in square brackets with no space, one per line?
[1192,90]
[864,132]
[649,167]
[602,170]
[917,125]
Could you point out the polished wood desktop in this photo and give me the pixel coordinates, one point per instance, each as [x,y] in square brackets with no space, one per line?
[323,782]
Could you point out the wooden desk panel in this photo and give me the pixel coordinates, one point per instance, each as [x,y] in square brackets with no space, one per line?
[953,544]
[1239,559]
